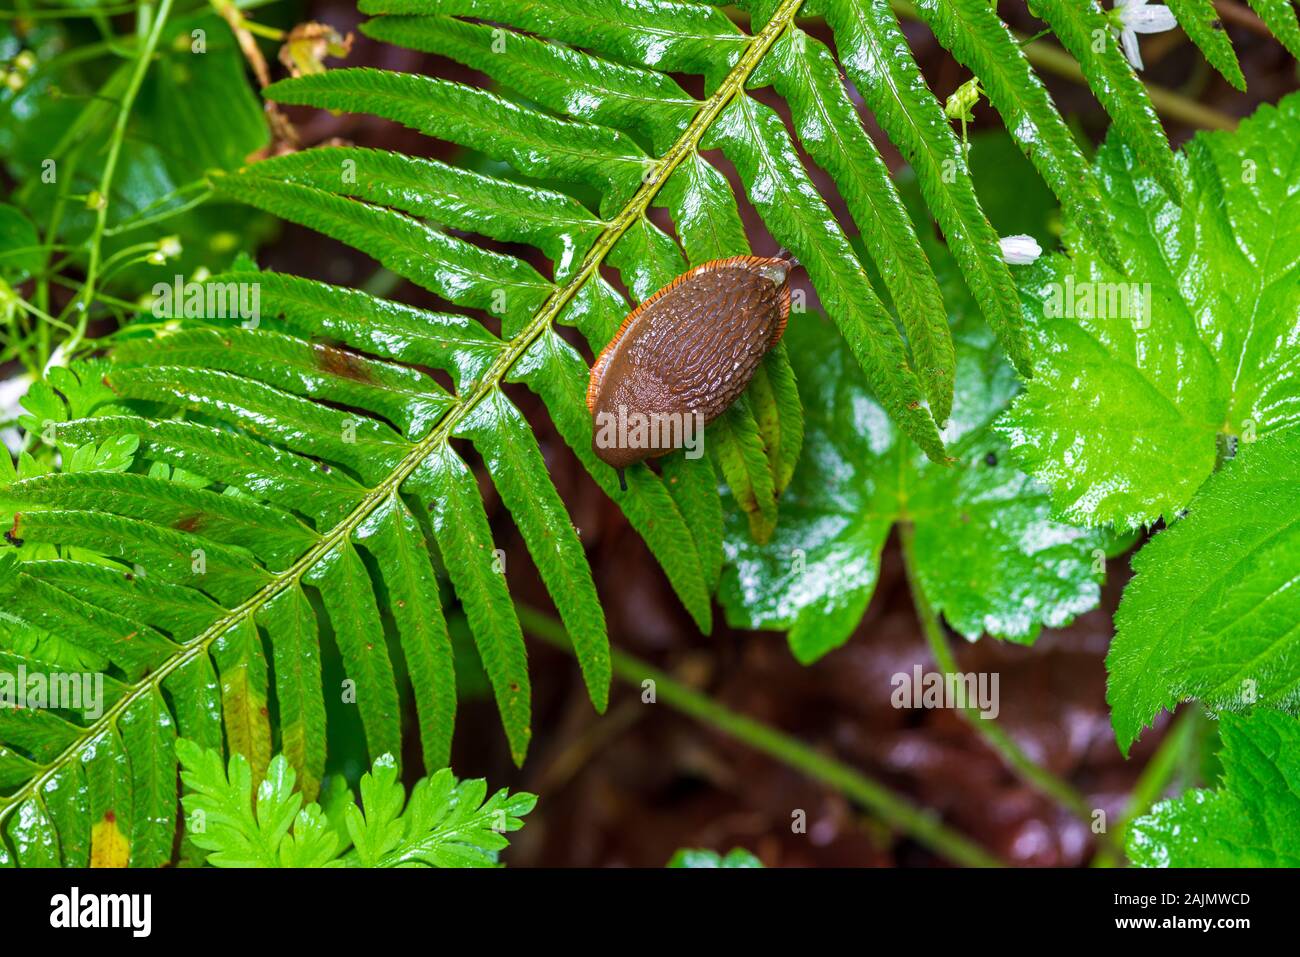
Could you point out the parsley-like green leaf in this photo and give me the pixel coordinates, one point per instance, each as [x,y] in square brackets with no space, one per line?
[446,823]
[689,857]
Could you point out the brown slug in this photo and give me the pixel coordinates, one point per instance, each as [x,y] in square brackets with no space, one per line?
[683,356]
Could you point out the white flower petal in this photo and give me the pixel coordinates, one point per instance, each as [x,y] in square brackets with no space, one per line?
[1130,41]
[1147,19]
[1020,250]
[11,393]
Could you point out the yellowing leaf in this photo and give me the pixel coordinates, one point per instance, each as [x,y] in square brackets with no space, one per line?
[108,845]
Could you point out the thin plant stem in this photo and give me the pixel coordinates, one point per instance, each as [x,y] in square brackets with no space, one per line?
[143,59]
[147,217]
[895,810]
[1170,756]
[995,737]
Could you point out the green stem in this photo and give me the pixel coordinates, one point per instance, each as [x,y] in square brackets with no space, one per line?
[146,216]
[1160,770]
[995,737]
[1166,760]
[897,811]
[143,58]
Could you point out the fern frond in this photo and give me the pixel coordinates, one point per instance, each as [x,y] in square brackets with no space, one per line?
[1281,18]
[876,57]
[973,32]
[805,74]
[1084,30]
[1200,21]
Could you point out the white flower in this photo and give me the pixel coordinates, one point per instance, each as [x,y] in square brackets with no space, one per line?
[1020,250]
[11,392]
[170,247]
[1139,16]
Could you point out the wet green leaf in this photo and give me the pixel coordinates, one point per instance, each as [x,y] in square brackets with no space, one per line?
[989,555]
[1141,376]
[1251,820]
[1211,612]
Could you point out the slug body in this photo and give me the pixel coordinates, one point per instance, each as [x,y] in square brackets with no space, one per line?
[684,355]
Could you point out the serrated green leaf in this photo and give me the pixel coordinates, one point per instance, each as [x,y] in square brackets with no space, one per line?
[222,816]
[504,440]
[395,539]
[444,824]
[365,444]
[108,781]
[465,540]
[1280,17]
[533,142]
[807,76]
[67,799]
[754,138]
[241,665]
[1084,29]
[149,736]
[693,486]
[181,612]
[225,572]
[1201,22]
[557,77]
[1211,611]
[290,624]
[741,457]
[264,471]
[704,211]
[455,344]
[272,535]
[1135,392]
[451,268]
[195,693]
[32,834]
[681,37]
[403,396]
[346,591]
[782,431]
[975,34]
[558,225]
[128,644]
